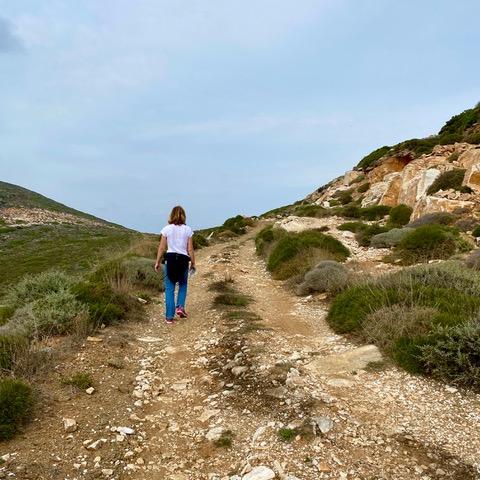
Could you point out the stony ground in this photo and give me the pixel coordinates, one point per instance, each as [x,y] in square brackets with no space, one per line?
[208,398]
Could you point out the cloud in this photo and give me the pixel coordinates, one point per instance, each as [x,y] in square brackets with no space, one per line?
[9,42]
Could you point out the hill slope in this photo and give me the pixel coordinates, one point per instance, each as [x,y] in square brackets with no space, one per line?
[37,233]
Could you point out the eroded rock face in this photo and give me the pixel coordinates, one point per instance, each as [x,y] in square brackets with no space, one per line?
[401,179]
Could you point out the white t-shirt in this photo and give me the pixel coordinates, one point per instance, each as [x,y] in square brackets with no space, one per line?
[177,238]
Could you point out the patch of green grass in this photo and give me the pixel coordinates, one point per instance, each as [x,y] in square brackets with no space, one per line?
[222,286]
[79,380]
[310,210]
[233,299]
[287,434]
[16,405]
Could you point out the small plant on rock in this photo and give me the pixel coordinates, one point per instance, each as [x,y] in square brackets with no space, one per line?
[80,380]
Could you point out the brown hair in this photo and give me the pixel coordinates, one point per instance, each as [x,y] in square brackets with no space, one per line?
[178,216]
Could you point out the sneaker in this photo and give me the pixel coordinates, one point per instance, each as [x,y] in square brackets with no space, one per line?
[169,321]
[180,312]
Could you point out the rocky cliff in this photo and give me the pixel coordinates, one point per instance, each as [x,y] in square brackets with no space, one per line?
[447,178]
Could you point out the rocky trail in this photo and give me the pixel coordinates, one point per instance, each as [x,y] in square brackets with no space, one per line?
[272,393]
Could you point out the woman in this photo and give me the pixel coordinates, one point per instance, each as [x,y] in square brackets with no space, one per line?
[177,241]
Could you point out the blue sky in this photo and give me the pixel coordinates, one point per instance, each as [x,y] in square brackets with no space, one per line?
[124,109]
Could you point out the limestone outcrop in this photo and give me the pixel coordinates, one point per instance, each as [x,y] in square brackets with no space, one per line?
[401,178]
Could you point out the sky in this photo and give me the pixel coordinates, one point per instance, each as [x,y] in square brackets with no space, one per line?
[124,109]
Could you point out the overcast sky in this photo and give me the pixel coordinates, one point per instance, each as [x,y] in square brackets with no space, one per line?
[125,108]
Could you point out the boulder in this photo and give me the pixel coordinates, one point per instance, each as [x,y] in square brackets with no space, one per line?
[260,473]
[431,204]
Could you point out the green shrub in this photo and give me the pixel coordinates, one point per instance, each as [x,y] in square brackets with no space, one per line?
[453,157]
[400,215]
[344,196]
[287,434]
[427,243]
[54,313]
[236,224]
[16,404]
[461,122]
[349,211]
[265,238]
[473,138]
[473,260]
[79,380]
[199,241]
[364,187]
[104,305]
[350,308]
[476,231]
[363,231]
[452,354]
[296,246]
[372,157]
[352,226]
[446,180]
[375,212]
[389,239]
[140,271]
[437,218]
[327,276]
[310,210]
[34,287]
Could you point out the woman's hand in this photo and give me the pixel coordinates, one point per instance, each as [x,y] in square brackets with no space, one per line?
[157,266]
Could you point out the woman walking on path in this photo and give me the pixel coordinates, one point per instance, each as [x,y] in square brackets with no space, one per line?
[177,241]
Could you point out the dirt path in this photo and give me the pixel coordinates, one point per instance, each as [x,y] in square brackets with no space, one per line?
[207,397]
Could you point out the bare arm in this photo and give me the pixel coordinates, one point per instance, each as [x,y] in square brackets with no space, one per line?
[161,250]
[191,252]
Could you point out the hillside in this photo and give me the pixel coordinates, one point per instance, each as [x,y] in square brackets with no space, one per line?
[19,205]
[440,173]
[37,233]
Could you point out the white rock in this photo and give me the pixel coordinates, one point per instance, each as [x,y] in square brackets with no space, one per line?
[69,425]
[94,445]
[324,424]
[90,390]
[214,434]
[108,472]
[208,414]
[260,473]
[125,430]
[239,370]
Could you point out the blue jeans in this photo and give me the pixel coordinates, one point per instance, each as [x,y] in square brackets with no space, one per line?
[170,293]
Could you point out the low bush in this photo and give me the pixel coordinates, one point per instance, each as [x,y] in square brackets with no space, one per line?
[364,232]
[6,312]
[16,405]
[404,312]
[389,239]
[375,212]
[453,157]
[310,210]
[364,187]
[79,380]
[437,218]
[327,276]
[13,345]
[237,224]
[344,196]
[400,215]
[473,138]
[373,157]
[233,299]
[476,231]
[451,179]
[466,224]
[104,305]
[199,241]
[54,313]
[296,253]
[473,260]
[427,243]
[351,210]
[34,287]
[452,354]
